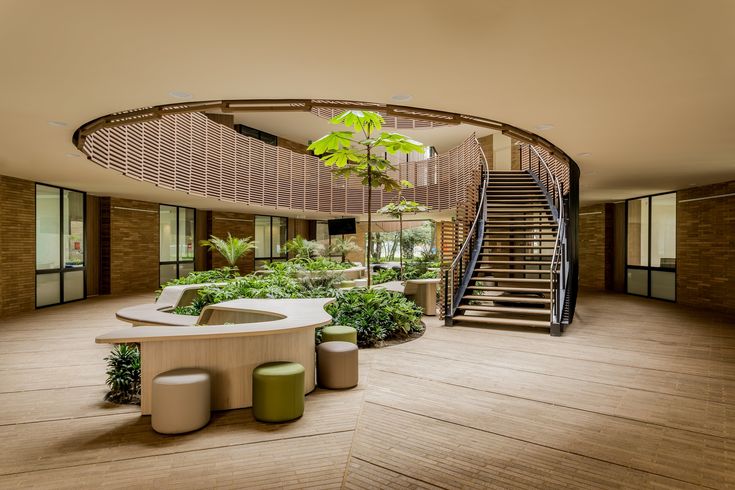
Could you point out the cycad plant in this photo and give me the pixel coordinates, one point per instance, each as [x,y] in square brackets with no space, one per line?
[342,246]
[123,374]
[303,249]
[397,210]
[355,153]
[231,249]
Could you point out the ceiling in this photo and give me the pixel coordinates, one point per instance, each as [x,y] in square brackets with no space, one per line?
[640,94]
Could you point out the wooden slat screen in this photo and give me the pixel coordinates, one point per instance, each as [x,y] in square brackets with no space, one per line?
[190,153]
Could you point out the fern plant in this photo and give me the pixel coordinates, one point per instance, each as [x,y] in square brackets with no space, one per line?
[231,249]
[303,249]
[343,246]
[123,374]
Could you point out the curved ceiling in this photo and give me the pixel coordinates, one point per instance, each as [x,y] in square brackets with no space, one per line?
[640,94]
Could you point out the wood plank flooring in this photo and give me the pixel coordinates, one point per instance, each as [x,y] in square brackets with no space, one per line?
[637,394]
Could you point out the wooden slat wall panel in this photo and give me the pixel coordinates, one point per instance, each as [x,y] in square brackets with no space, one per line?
[190,153]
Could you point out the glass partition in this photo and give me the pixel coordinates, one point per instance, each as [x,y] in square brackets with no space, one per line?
[271,234]
[651,246]
[60,245]
[176,242]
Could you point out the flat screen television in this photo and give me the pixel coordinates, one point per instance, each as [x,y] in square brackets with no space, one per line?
[342,226]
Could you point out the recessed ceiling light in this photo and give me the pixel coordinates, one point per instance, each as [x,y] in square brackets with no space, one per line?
[180,95]
[58,124]
[544,127]
[584,154]
[692,185]
[401,97]
[71,155]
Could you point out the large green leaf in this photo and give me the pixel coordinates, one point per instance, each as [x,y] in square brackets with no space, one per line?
[359,120]
[340,158]
[395,142]
[332,142]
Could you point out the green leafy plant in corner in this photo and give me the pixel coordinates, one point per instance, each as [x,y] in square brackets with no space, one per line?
[377,314]
[343,246]
[123,374]
[231,248]
[356,152]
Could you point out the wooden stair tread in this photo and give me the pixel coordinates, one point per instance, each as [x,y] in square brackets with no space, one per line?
[507,279]
[502,321]
[513,271]
[510,289]
[507,299]
[506,309]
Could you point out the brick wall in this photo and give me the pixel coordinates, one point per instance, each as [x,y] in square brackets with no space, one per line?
[133,246]
[239,225]
[705,235]
[595,246]
[17,245]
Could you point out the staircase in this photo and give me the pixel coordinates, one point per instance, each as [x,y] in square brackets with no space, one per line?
[511,282]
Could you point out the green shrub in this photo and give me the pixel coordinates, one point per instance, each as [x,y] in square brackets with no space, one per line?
[384,275]
[377,314]
[123,374]
[324,264]
[200,277]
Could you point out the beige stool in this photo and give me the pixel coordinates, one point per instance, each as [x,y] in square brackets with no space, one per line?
[180,401]
[337,365]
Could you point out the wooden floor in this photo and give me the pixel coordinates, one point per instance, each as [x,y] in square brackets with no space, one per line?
[637,394]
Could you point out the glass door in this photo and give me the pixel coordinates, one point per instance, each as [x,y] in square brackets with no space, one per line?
[651,246]
[176,244]
[60,245]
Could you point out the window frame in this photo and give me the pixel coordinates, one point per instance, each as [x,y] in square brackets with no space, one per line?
[176,232]
[62,269]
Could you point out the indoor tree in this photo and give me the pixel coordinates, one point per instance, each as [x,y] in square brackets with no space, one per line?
[397,210]
[231,249]
[342,246]
[350,152]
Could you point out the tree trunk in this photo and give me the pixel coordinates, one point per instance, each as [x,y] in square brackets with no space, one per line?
[400,243]
[370,219]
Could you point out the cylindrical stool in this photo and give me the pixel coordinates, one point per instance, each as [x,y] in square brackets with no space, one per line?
[180,401]
[278,391]
[339,333]
[336,365]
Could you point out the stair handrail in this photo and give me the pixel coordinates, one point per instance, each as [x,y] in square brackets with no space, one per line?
[558,270]
[477,227]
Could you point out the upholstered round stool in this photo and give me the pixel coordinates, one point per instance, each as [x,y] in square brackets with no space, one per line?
[336,365]
[180,401]
[278,391]
[339,333]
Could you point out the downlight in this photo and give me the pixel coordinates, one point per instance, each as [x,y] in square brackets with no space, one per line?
[180,95]
[57,124]
[544,127]
[401,97]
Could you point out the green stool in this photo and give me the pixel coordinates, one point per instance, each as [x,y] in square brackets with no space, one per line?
[339,333]
[278,391]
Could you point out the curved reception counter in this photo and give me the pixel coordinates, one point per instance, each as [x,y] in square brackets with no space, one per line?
[231,340]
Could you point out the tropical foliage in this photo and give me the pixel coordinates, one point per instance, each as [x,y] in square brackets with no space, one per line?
[377,314]
[231,248]
[343,246]
[123,374]
[384,275]
[202,277]
[398,210]
[303,249]
[355,151]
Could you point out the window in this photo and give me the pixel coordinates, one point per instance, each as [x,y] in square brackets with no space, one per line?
[176,242]
[271,139]
[60,245]
[271,234]
[651,246]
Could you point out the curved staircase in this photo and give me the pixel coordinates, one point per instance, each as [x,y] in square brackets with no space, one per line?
[510,283]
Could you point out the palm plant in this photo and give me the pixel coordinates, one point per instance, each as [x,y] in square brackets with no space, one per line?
[342,246]
[303,249]
[231,249]
[397,210]
[123,374]
[347,156]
